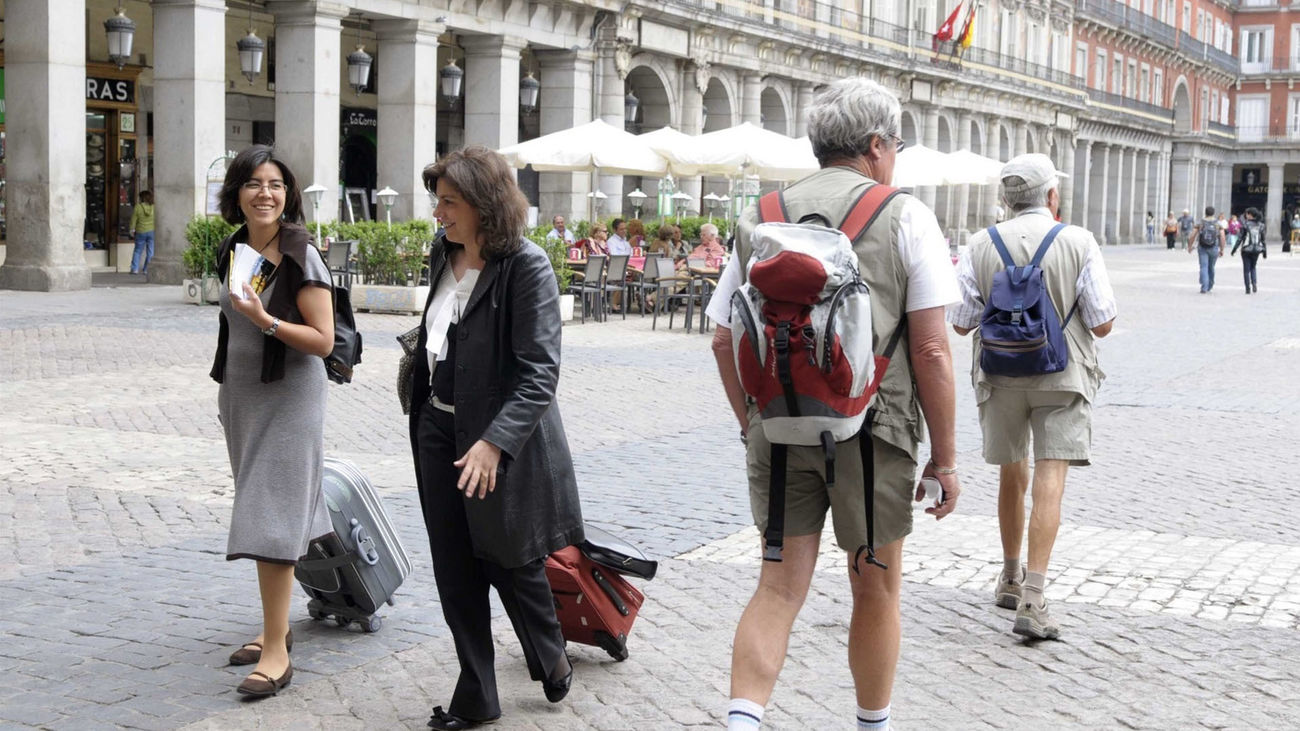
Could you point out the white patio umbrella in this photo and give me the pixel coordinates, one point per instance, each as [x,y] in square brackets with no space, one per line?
[919,165]
[594,146]
[677,147]
[973,168]
[745,149]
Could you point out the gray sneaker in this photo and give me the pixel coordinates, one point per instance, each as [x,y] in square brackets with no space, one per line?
[1035,622]
[1007,593]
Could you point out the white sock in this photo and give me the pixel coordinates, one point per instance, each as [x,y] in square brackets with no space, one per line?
[743,715]
[873,720]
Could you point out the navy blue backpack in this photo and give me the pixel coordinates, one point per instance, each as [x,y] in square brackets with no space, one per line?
[1021,334]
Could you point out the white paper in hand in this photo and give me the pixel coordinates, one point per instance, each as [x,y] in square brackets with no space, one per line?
[245,268]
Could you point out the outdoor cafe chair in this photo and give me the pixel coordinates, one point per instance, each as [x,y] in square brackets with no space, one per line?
[643,282]
[616,280]
[666,281]
[591,285]
[339,260]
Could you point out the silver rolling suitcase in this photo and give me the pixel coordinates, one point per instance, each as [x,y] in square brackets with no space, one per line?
[350,574]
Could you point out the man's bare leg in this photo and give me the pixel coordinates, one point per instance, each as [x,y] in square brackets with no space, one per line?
[875,627]
[1013,481]
[1045,518]
[759,648]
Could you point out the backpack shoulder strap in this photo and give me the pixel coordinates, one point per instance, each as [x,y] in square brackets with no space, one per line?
[1000,245]
[771,208]
[1047,243]
[866,209]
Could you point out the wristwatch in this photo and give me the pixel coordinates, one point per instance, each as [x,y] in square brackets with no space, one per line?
[270,331]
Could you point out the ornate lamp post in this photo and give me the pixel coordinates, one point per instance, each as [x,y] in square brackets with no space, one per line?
[359,67]
[314,192]
[387,196]
[450,78]
[638,200]
[121,33]
[529,89]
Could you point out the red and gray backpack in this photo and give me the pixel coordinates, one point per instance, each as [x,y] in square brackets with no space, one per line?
[804,345]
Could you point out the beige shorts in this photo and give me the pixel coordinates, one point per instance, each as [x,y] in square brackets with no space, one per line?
[1060,422]
[807,499]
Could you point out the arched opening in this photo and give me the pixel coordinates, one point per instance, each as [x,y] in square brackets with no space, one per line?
[775,118]
[1182,107]
[717,107]
[909,129]
[1004,144]
[654,110]
[943,200]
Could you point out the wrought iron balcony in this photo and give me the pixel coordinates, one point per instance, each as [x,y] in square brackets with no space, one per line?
[1115,100]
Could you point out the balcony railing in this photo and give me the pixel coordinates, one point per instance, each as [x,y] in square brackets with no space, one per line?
[1275,65]
[1223,129]
[1128,18]
[1115,100]
[1268,134]
[1021,66]
[1193,48]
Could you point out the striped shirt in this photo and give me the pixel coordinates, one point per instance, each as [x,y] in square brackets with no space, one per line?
[1096,299]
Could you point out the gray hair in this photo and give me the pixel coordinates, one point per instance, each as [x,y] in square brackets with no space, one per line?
[1023,200]
[847,114]
[708,228]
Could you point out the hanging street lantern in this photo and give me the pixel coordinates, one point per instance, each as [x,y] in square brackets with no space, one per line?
[359,69]
[529,89]
[121,33]
[630,104]
[251,49]
[451,75]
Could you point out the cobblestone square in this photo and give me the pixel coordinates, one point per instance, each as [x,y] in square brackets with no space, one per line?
[1176,574]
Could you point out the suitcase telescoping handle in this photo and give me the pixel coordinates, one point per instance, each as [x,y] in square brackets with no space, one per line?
[609,589]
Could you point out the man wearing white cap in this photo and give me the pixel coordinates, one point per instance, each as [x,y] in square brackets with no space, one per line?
[1054,408]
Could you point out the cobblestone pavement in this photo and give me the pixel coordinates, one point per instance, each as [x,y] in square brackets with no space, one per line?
[1176,575]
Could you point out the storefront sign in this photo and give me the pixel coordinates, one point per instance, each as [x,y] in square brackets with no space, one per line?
[361,122]
[121,91]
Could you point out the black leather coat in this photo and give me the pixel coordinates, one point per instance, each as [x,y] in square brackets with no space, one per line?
[507,370]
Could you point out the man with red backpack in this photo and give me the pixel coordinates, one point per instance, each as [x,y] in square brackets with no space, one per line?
[1036,294]
[831,280]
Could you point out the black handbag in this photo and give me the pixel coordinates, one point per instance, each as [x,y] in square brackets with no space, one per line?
[347,340]
[408,340]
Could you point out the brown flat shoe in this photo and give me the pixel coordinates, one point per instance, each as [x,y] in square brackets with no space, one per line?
[251,653]
[261,685]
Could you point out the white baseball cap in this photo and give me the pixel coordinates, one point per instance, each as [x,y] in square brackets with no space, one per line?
[1034,169]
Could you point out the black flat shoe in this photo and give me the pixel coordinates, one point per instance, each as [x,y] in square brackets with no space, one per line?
[451,722]
[557,689]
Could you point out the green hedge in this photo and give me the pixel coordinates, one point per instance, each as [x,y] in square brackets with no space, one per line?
[393,256]
[558,252]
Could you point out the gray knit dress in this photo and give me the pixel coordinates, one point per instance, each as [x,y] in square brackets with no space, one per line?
[275,436]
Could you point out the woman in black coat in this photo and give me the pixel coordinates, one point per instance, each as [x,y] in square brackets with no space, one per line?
[491,459]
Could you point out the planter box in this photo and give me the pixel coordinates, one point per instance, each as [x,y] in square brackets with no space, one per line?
[566,307]
[211,290]
[385,298]
[192,291]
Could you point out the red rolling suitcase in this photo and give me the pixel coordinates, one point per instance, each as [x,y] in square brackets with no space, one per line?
[596,606]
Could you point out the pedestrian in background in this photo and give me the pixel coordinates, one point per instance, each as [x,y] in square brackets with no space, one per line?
[1185,225]
[483,401]
[142,225]
[1208,239]
[1171,230]
[1285,225]
[853,125]
[1053,409]
[272,395]
[1234,232]
[1252,247]
[1151,227]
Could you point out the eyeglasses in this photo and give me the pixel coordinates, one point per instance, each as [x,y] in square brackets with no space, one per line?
[275,186]
[899,144]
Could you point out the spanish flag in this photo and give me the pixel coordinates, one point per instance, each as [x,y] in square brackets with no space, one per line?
[968,31]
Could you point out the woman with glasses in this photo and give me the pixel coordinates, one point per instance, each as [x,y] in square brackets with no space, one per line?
[276,324]
[596,241]
[492,463]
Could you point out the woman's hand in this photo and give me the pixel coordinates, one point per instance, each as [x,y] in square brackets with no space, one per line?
[251,307]
[478,469]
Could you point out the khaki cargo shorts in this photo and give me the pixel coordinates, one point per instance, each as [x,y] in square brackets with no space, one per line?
[1059,421]
[806,496]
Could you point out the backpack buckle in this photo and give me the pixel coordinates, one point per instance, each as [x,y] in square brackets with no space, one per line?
[1015,316]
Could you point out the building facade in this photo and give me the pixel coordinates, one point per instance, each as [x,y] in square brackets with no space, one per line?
[1152,105]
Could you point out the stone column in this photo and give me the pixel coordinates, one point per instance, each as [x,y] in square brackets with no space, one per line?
[308,77]
[1066,142]
[929,138]
[189,120]
[1100,193]
[492,90]
[803,102]
[1146,195]
[1273,204]
[961,210]
[611,110]
[1114,224]
[692,123]
[565,102]
[1180,178]
[1022,139]
[1085,174]
[751,99]
[408,111]
[46,128]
